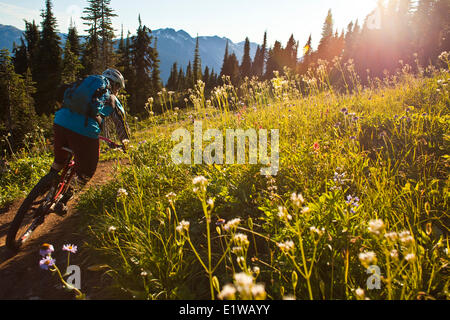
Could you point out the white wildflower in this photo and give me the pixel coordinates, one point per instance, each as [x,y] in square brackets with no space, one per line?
[122,193]
[202,182]
[359,293]
[241,239]
[228,292]
[297,199]
[367,258]
[259,292]
[286,246]
[410,257]
[183,226]
[232,224]
[376,226]
[391,236]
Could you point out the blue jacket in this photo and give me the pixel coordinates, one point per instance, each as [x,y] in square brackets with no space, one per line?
[76,122]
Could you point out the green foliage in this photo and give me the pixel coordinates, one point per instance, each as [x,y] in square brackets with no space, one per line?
[362,182]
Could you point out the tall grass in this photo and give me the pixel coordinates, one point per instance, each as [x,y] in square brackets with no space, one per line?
[362,186]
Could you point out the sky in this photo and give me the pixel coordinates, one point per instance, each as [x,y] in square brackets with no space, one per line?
[234,19]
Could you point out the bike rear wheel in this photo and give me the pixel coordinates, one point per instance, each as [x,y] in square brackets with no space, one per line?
[31,213]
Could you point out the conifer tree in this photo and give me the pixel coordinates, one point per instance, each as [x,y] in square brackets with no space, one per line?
[172,81]
[142,61]
[98,52]
[325,43]
[49,63]
[156,75]
[17,115]
[246,66]
[197,66]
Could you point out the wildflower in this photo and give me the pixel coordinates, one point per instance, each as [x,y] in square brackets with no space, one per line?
[376,226]
[391,236]
[46,249]
[183,226]
[406,238]
[220,222]
[306,210]
[283,214]
[319,232]
[410,257]
[122,193]
[344,111]
[228,292]
[259,292]
[112,229]
[297,199]
[70,248]
[201,181]
[286,246]
[47,262]
[359,293]
[316,146]
[210,202]
[241,239]
[243,282]
[394,254]
[232,224]
[353,202]
[171,196]
[339,178]
[367,258]
[144,273]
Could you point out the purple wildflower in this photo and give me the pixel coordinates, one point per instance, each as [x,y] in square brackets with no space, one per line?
[46,249]
[47,262]
[70,248]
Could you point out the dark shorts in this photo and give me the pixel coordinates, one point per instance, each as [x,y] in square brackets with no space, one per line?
[86,150]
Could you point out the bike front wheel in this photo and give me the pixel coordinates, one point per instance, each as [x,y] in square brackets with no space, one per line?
[31,213]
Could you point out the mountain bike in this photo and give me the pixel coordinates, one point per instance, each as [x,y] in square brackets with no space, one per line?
[42,200]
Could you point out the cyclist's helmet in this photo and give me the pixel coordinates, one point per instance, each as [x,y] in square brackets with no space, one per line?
[115,76]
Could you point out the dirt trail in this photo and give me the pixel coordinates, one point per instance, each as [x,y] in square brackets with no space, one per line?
[20,275]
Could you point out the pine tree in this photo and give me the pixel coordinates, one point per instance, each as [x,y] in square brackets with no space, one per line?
[259,61]
[91,50]
[71,65]
[290,53]
[142,61]
[20,58]
[17,115]
[225,57]
[327,37]
[98,52]
[172,81]
[106,33]
[189,83]
[246,66]
[74,40]
[197,66]
[181,80]
[274,61]
[156,75]
[49,64]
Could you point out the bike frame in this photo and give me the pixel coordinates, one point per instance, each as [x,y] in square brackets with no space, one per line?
[65,181]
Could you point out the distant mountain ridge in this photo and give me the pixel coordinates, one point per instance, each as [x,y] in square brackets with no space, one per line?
[173,46]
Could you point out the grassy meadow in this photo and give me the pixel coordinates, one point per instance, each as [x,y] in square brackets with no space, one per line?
[359,208]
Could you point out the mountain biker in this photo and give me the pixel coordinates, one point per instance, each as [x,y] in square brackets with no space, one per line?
[80,132]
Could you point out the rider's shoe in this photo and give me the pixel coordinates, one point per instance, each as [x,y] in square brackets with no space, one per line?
[60,209]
